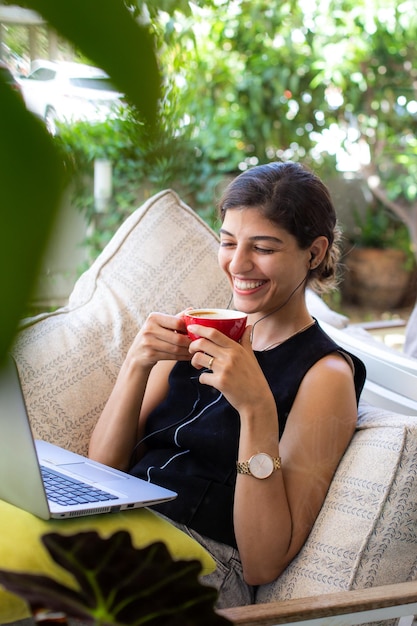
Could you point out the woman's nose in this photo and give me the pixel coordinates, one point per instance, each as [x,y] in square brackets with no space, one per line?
[241,261]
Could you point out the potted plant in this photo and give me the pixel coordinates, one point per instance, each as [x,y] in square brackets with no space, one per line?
[378,260]
[116,584]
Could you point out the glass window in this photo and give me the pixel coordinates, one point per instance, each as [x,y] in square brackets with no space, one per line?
[43,73]
[100,84]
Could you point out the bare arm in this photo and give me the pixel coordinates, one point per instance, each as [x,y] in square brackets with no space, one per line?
[318,430]
[273,517]
[141,384]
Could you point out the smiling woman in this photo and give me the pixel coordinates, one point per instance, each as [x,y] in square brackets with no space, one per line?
[273,237]
[248,433]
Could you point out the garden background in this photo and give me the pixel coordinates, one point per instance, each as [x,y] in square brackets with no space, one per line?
[330,83]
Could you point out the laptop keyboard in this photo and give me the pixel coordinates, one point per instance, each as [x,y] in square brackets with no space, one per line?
[70,491]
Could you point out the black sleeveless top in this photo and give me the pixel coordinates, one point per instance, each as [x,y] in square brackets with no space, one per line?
[192,437]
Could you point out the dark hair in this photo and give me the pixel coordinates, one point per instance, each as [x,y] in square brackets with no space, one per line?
[294,198]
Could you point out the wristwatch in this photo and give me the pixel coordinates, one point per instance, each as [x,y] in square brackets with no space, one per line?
[260,465]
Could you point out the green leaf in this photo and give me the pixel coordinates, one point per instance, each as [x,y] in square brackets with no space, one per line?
[119,584]
[31,182]
[31,170]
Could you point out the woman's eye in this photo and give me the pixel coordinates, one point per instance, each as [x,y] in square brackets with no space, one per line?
[264,250]
[256,248]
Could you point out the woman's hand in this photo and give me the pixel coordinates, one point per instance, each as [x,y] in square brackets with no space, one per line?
[138,388]
[233,368]
[162,338]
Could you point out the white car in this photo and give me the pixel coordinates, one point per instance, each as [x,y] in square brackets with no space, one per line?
[69,92]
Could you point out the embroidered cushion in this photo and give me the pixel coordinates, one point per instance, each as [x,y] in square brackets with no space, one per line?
[366,532]
[163,258]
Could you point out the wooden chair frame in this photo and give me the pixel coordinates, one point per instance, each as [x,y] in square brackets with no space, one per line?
[345,608]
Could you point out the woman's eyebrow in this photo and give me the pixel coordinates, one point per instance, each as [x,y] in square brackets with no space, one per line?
[222,231]
[266,238]
[254,237]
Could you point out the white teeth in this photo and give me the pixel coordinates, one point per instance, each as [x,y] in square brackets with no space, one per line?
[245,284]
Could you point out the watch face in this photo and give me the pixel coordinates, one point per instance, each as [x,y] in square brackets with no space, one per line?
[261,465]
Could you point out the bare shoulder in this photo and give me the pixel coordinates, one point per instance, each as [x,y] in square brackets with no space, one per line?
[327,393]
[335,364]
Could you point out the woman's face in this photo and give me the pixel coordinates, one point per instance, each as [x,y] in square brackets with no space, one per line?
[263,262]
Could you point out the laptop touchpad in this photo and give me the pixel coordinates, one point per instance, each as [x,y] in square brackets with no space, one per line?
[92,472]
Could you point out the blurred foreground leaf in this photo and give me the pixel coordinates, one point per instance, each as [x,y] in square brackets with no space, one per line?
[31,182]
[31,172]
[119,584]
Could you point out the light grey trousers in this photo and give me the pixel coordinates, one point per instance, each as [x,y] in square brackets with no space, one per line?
[227,578]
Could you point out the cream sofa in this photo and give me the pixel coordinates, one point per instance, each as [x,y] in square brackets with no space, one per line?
[165,258]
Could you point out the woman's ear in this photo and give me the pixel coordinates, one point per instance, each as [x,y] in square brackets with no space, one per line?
[317,251]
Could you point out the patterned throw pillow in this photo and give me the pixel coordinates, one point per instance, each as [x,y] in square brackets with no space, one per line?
[163,258]
[366,532]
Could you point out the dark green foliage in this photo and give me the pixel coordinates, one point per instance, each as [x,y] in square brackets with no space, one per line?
[378,228]
[119,584]
[31,169]
[31,180]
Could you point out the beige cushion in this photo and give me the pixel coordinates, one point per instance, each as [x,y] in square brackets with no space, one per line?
[366,533]
[164,258]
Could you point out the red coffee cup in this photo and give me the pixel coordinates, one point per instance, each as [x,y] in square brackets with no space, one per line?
[229,322]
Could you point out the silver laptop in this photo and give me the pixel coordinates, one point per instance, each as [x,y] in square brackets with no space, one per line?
[47,480]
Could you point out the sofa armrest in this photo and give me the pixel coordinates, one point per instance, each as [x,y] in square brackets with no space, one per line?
[343,608]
